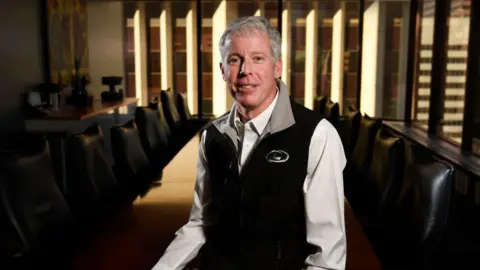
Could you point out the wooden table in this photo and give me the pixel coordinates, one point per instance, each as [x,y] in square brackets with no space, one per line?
[65,117]
[360,253]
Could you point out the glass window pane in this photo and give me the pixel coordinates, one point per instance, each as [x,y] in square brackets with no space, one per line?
[299,11]
[456,68]
[351,51]
[129,11]
[394,64]
[424,68]
[326,10]
[206,47]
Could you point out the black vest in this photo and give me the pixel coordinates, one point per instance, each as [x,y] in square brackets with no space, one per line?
[256,218]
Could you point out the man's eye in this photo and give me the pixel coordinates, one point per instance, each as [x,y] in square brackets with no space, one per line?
[258,58]
[233,61]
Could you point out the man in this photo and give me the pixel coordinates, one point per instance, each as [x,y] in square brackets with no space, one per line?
[269,190]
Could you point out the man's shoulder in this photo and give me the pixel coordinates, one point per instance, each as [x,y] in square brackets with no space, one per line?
[304,115]
[219,121]
[215,125]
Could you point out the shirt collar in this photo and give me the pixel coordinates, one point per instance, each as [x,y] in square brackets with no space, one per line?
[258,123]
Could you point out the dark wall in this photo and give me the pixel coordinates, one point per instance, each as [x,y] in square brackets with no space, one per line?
[21,61]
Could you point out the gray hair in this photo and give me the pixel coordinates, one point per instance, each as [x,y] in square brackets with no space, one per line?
[245,26]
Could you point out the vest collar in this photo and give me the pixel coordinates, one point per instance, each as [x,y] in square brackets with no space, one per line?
[281,118]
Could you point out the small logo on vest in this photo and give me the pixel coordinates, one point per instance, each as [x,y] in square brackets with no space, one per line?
[277,156]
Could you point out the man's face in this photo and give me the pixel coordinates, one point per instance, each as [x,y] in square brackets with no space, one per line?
[250,71]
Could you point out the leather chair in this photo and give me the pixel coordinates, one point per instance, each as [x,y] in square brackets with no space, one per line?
[415,226]
[182,130]
[132,167]
[350,129]
[193,121]
[332,113]
[319,104]
[155,142]
[170,109]
[34,215]
[182,107]
[178,136]
[91,184]
[156,104]
[360,159]
[384,178]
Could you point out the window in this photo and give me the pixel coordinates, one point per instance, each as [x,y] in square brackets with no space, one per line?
[324,53]
[424,66]
[456,68]
[351,51]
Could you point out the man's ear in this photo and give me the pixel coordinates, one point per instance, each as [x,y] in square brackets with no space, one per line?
[224,74]
[278,68]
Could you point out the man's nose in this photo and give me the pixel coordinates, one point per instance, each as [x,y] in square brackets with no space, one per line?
[245,68]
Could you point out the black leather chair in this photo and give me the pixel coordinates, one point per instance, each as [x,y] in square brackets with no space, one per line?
[384,180]
[414,227]
[332,113]
[319,104]
[182,107]
[360,159]
[92,187]
[349,130]
[156,104]
[193,120]
[34,215]
[132,167]
[159,147]
[167,97]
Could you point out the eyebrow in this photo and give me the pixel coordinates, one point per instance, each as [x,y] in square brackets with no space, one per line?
[253,53]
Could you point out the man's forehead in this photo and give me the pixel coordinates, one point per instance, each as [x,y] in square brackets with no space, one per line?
[253,33]
[251,41]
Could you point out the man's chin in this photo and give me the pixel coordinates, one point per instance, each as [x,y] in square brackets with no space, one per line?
[246,102]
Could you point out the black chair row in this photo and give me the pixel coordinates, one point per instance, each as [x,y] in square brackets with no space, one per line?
[42,225]
[400,193]
[328,109]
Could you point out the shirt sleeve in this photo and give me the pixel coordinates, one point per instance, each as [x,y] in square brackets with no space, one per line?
[324,199]
[190,238]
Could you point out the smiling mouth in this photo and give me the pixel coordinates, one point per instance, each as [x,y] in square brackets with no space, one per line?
[246,87]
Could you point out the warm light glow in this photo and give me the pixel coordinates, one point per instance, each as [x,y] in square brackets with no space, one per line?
[337,55]
[372,52]
[225,13]
[191,29]
[140,42]
[311,56]
[166,59]
[219,89]
[286,45]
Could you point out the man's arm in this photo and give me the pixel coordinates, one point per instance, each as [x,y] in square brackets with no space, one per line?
[190,238]
[324,199]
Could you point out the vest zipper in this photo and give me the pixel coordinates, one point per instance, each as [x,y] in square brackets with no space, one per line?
[240,216]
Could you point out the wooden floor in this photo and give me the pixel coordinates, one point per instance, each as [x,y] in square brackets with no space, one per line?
[136,237]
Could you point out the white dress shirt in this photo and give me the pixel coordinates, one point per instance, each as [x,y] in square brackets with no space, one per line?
[249,133]
[323,196]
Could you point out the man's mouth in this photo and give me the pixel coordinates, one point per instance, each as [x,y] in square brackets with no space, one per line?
[246,87]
